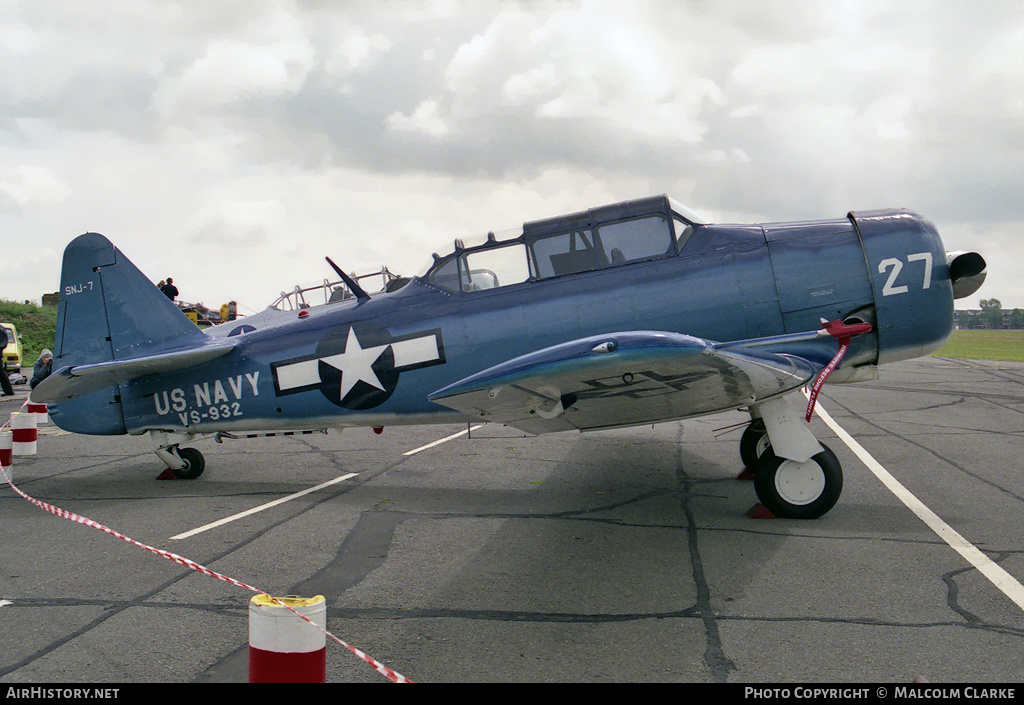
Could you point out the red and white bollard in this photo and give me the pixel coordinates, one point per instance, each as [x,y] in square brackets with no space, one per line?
[6,453]
[39,410]
[284,647]
[23,432]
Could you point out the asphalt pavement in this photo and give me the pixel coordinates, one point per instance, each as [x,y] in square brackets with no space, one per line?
[616,556]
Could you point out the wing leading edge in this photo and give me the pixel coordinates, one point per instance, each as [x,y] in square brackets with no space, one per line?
[631,378]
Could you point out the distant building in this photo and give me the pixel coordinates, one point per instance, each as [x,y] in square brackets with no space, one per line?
[977,319]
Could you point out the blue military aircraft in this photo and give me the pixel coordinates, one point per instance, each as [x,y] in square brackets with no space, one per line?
[632,313]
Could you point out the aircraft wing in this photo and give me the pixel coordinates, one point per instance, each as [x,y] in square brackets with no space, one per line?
[75,381]
[631,378]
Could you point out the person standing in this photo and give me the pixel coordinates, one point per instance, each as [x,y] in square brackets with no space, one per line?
[169,289]
[5,381]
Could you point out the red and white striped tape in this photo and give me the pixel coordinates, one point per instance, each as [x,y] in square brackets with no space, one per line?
[388,673]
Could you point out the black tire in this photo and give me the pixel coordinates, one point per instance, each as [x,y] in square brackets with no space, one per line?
[793,490]
[753,443]
[194,464]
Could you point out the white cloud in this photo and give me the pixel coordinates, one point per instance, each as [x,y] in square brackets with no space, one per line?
[426,118]
[26,184]
[230,71]
[582,64]
[355,51]
[238,223]
[379,133]
[889,117]
[527,86]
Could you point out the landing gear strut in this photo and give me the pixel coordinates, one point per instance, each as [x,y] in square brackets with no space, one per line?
[185,463]
[795,476]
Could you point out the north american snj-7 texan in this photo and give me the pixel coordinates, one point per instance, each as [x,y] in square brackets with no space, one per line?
[632,313]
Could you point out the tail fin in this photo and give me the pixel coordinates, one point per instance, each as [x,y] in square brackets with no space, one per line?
[109,310]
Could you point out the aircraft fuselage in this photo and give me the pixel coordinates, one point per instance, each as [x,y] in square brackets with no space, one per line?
[375,362]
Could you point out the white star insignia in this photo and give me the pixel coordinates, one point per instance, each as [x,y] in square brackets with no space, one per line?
[356,364]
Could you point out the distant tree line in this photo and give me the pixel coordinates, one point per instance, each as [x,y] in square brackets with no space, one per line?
[991,315]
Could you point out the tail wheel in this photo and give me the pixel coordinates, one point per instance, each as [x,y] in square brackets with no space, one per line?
[794,490]
[753,444]
[194,464]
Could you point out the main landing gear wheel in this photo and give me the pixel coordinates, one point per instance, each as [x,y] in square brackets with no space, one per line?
[794,490]
[194,464]
[753,443]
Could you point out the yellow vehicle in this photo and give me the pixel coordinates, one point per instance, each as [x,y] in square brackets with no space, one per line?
[12,353]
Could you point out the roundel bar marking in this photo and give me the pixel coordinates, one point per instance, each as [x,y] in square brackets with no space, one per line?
[364,372]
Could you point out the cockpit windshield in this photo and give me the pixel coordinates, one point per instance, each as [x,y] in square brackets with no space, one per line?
[609,236]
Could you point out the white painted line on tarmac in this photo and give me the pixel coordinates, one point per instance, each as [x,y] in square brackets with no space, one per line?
[282,500]
[452,437]
[1005,582]
[268,505]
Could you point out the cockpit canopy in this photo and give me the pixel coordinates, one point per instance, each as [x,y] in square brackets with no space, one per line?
[602,237]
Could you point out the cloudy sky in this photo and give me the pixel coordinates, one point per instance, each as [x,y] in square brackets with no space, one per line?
[232,145]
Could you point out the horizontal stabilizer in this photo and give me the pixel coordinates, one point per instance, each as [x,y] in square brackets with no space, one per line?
[70,382]
[629,378]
